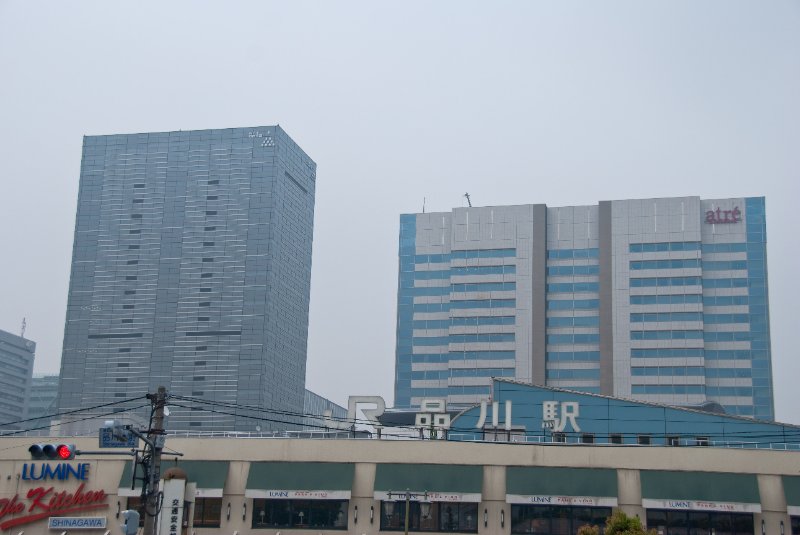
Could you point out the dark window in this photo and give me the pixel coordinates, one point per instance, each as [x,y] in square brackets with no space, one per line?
[615,439]
[673,441]
[559,437]
[211,197]
[123,350]
[195,424]
[121,380]
[201,348]
[587,438]
[199,363]
[120,395]
[138,201]
[205,290]
[134,247]
[207,512]
[556,519]
[210,228]
[136,216]
[643,440]
[203,318]
[204,304]
[674,522]
[138,186]
[212,182]
[127,307]
[208,243]
[701,441]
[130,292]
[130,277]
[132,262]
[208,259]
[127,320]
[198,378]
[137,231]
[197,392]
[300,514]
[206,275]
[211,212]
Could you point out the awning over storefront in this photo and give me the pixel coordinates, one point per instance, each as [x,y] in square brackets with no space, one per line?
[208,475]
[700,491]
[791,489]
[443,483]
[306,481]
[584,487]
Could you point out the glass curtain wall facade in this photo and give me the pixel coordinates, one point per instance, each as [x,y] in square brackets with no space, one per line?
[16,372]
[191,269]
[663,300]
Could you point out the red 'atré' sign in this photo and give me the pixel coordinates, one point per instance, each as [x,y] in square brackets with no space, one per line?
[720,216]
[43,502]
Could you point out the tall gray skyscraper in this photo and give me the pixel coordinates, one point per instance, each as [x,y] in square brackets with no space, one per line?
[16,370]
[191,269]
[656,299]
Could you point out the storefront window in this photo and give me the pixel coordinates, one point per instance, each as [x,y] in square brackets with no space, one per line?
[672,522]
[796,525]
[442,517]
[556,520]
[207,512]
[300,514]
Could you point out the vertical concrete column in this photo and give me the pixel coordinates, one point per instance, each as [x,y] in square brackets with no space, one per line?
[773,506]
[235,486]
[629,493]
[606,255]
[362,499]
[539,295]
[494,507]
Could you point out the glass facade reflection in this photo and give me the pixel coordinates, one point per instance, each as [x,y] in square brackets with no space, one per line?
[191,269]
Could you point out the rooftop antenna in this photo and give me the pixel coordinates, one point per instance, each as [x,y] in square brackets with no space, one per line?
[423,205]
[469,202]
[22,330]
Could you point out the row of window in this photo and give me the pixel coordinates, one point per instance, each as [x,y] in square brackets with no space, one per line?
[568,356]
[650,282]
[580,374]
[576,304]
[440,375]
[665,264]
[651,317]
[574,321]
[725,300]
[573,270]
[664,246]
[573,287]
[667,389]
[482,320]
[558,339]
[667,352]
[484,253]
[484,287]
[562,254]
[679,299]
[483,270]
[667,371]
[667,335]
[724,265]
[484,303]
[489,337]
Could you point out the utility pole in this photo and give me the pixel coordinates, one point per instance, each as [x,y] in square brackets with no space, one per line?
[156,437]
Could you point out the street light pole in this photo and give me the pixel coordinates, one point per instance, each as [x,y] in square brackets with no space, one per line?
[408,495]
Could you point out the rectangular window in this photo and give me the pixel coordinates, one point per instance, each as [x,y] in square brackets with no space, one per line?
[208,259]
[136,216]
[643,440]
[211,197]
[207,512]
[300,514]
[559,437]
[127,320]
[444,517]
[206,275]
[203,318]
[130,277]
[208,243]
[210,228]
[213,182]
[138,186]
[673,441]
[201,348]
[205,290]
[136,231]
[127,307]
[124,350]
[211,212]
[130,292]
[587,438]
[615,439]
[138,201]
[132,262]
[701,441]
[134,247]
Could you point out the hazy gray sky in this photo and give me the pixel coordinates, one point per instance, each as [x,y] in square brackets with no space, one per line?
[561,103]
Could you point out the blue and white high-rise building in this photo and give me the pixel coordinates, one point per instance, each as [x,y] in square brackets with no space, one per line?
[662,300]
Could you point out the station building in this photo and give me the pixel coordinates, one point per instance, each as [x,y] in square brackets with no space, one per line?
[532,459]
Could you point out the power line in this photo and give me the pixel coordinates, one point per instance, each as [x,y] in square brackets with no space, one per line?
[72,411]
